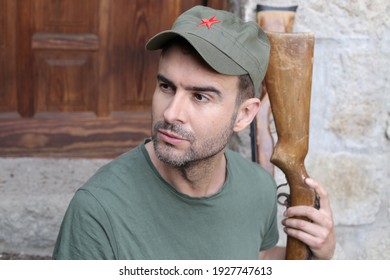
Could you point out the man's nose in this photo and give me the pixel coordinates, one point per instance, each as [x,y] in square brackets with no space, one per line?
[177,108]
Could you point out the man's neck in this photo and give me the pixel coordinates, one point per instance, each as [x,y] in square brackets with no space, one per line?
[201,179]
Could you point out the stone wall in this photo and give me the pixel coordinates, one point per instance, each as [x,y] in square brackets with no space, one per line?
[349,150]
[34,194]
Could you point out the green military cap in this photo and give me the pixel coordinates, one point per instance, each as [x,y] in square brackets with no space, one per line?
[227,43]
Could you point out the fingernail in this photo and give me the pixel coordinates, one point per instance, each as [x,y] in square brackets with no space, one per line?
[308,180]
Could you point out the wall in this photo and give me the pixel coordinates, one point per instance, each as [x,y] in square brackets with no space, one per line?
[349,150]
[34,194]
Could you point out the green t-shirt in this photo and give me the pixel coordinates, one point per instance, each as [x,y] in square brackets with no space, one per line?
[128,211]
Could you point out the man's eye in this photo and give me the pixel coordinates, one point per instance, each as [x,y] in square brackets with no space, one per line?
[200,97]
[165,87]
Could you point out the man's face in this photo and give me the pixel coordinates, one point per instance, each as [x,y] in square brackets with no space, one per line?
[194,109]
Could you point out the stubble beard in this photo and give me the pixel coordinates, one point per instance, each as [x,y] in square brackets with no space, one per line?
[199,151]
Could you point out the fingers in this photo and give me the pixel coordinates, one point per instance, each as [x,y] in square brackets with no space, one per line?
[299,228]
[321,192]
[311,236]
[321,217]
[320,237]
[323,214]
[313,226]
[322,248]
[318,223]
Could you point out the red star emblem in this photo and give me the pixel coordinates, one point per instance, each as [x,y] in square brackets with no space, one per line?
[208,22]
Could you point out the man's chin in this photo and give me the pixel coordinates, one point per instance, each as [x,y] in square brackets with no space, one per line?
[172,161]
[168,154]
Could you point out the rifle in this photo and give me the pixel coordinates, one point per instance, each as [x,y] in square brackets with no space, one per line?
[289,78]
[288,81]
[273,19]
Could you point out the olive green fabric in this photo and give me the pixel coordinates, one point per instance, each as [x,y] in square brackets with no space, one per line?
[127,211]
[227,43]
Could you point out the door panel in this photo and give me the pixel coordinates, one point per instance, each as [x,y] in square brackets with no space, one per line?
[8,92]
[65,52]
[75,79]
[65,82]
[132,82]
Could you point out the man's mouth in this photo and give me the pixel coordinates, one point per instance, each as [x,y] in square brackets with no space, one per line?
[170,137]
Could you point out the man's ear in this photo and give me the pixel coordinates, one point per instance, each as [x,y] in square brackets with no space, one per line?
[246,113]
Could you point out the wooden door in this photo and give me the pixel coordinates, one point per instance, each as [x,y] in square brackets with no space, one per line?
[75,79]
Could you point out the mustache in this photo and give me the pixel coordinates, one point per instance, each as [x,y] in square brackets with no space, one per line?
[174,128]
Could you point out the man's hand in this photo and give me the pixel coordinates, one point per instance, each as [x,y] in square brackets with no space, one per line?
[318,234]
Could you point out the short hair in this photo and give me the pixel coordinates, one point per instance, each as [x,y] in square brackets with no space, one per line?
[246,89]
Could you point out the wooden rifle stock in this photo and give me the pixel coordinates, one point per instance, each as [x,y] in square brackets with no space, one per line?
[288,81]
[273,19]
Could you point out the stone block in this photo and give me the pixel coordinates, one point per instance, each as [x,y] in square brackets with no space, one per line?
[34,196]
[357,111]
[354,184]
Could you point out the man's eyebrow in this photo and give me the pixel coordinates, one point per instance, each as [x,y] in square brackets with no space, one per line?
[205,89]
[165,80]
[191,88]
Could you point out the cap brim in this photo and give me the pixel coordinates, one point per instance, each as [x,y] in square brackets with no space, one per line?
[214,57]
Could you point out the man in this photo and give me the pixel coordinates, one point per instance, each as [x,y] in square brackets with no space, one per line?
[182,194]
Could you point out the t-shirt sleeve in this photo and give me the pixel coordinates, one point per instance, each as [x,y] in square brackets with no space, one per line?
[85,232]
[272,236]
